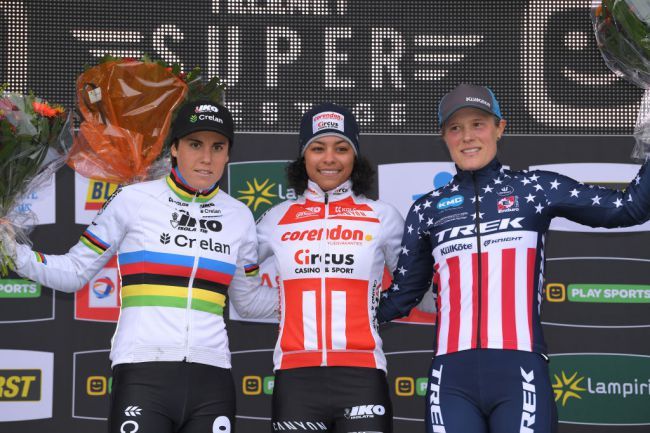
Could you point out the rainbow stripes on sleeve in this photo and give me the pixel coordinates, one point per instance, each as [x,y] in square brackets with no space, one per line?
[93,242]
[252,270]
[40,257]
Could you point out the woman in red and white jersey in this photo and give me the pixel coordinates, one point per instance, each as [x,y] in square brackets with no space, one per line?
[330,248]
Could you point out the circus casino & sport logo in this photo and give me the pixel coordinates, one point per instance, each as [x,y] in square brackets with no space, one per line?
[601,388]
[90,196]
[99,300]
[259,184]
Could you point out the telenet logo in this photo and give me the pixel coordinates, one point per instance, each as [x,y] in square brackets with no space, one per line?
[258,385]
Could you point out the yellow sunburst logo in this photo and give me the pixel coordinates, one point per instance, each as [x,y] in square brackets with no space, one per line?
[565,387]
[257,193]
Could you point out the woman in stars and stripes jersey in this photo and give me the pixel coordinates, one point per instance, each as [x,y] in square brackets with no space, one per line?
[183,245]
[480,240]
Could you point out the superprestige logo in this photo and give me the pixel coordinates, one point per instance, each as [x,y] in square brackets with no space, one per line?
[26,385]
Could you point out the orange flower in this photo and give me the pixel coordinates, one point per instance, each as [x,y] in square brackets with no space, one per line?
[45,110]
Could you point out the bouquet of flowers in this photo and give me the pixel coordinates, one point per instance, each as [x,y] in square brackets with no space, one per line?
[126,107]
[34,137]
[622,29]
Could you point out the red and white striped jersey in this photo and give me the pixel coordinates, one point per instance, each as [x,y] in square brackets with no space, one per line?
[330,250]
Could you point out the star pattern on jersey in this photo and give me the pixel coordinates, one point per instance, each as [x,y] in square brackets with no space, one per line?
[618,203]
[405,250]
[574,193]
[530,198]
[401,270]
[480,215]
[435,193]
[525,181]
[595,200]
[555,184]
[497,181]
[534,178]
[473,199]
[409,228]
[454,188]
[539,208]
[426,204]
[487,189]
[538,187]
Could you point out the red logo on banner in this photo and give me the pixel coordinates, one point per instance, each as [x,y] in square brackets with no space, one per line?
[99,300]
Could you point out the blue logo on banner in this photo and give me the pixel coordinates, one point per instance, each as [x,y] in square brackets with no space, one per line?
[453,201]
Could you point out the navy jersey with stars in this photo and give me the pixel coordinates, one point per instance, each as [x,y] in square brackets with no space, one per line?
[480,239]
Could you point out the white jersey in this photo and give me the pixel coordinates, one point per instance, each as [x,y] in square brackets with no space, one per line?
[180,253]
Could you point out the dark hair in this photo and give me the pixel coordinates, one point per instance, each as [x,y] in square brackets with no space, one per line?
[362,177]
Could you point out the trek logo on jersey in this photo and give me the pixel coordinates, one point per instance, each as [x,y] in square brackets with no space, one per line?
[486,227]
[529,401]
[601,389]
[328,120]
[187,223]
[364,411]
[26,385]
[508,204]
[449,202]
[260,185]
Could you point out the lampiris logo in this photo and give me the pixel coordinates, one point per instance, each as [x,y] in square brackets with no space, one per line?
[601,388]
[20,385]
[188,223]
[259,184]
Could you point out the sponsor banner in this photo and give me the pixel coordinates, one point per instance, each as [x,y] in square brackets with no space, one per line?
[601,388]
[41,203]
[90,195]
[423,177]
[609,175]
[259,184]
[26,385]
[254,381]
[25,301]
[92,384]
[99,300]
[408,380]
[597,292]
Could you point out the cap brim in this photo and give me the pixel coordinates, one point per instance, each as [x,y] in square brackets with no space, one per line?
[468,105]
[187,131]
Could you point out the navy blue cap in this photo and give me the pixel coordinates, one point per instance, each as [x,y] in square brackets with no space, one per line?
[328,119]
[468,95]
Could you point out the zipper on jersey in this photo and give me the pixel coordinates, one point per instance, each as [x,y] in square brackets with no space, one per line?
[188,307]
[477,225]
[323,297]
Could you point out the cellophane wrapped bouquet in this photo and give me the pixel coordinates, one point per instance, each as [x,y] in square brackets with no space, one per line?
[34,139]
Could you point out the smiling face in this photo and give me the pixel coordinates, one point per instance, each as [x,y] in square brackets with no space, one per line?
[471,136]
[201,158]
[329,161]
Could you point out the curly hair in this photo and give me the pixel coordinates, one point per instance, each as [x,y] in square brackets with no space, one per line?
[362,177]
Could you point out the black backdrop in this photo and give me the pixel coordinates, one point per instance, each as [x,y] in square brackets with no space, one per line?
[562,104]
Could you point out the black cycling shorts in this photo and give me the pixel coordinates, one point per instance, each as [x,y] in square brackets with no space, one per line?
[331,399]
[171,397]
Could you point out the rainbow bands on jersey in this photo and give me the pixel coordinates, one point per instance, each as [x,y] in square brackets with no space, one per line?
[93,242]
[185,192]
[162,280]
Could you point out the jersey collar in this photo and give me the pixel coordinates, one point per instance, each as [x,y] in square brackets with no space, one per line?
[490,171]
[185,192]
[315,193]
